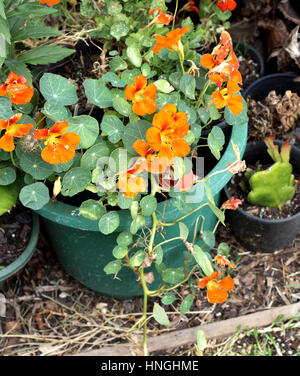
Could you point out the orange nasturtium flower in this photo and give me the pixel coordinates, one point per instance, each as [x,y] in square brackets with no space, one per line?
[150,161]
[172,40]
[166,135]
[17,89]
[60,146]
[222,62]
[50,2]
[228,97]
[161,18]
[223,261]
[226,4]
[142,96]
[131,184]
[12,130]
[217,291]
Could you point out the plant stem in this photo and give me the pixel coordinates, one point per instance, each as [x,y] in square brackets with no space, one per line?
[144,317]
[183,217]
[176,8]
[12,159]
[200,100]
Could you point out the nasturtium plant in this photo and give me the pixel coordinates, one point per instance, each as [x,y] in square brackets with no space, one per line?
[128,159]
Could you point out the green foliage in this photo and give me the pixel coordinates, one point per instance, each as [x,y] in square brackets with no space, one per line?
[8,197]
[23,21]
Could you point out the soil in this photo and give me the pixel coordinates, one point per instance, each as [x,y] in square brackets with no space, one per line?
[290,208]
[47,312]
[15,230]
[85,63]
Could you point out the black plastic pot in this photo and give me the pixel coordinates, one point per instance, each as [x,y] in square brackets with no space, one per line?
[258,234]
[280,82]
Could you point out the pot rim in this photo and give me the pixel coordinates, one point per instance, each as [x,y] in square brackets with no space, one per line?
[26,255]
[69,215]
[267,78]
[264,220]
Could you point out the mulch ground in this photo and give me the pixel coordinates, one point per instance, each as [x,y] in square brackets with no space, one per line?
[44,311]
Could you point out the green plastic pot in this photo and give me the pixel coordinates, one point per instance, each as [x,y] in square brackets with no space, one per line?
[83,251]
[24,258]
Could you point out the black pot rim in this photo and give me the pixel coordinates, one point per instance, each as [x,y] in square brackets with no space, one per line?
[254,217]
[256,53]
[266,78]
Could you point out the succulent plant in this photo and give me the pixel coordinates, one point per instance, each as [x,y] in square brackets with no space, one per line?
[276,185]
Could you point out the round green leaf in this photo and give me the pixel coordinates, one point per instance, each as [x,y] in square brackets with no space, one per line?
[76,180]
[7,175]
[92,210]
[148,205]
[109,222]
[86,127]
[125,238]
[33,164]
[55,111]
[173,275]
[58,88]
[120,252]
[34,196]
[168,299]
[92,155]
[113,127]
[113,267]
[137,259]
[121,106]
[203,260]
[97,93]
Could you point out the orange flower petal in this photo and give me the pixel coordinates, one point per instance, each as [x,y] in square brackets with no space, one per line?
[58,128]
[227,283]
[235,104]
[232,87]
[70,140]
[150,91]
[130,92]
[207,61]
[40,134]
[19,130]
[141,147]
[153,138]
[140,82]
[217,296]
[146,106]
[166,152]
[180,147]
[218,99]
[7,143]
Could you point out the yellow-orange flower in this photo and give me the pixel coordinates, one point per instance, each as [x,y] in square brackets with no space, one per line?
[217,291]
[60,146]
[17,89]
[12,130]
[172,40]
[161,18]
[166,135]
[50,2]
[142,96]
[229,97]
